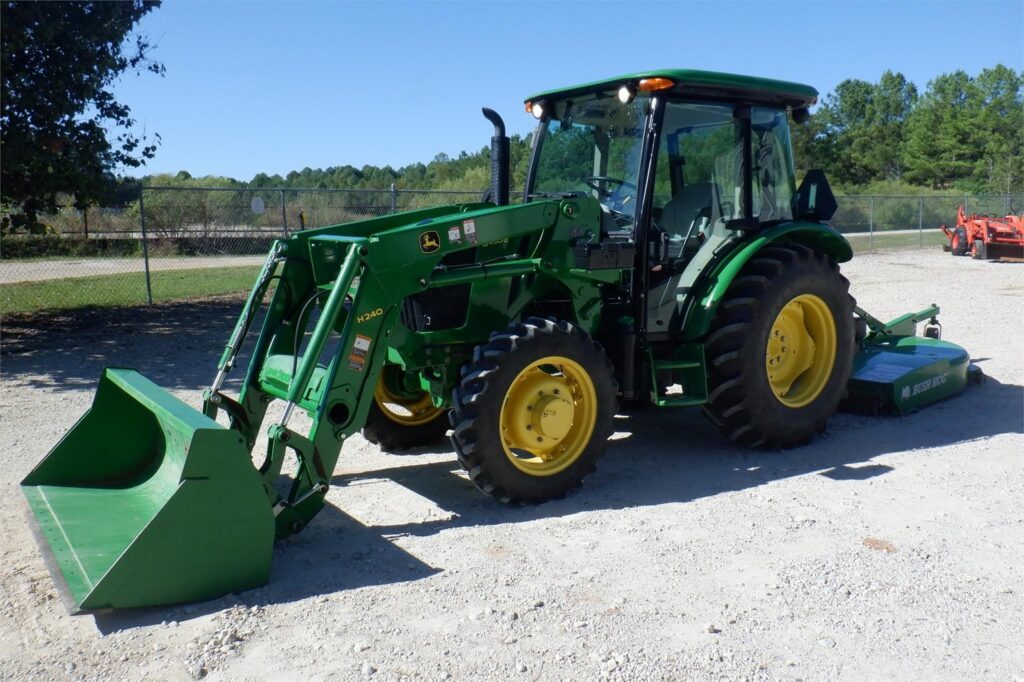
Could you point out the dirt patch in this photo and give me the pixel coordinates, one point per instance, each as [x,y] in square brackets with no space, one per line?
[880,545]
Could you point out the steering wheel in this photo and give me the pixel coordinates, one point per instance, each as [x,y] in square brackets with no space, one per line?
[594,182]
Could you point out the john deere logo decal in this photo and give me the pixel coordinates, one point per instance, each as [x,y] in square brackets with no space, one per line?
[430,241]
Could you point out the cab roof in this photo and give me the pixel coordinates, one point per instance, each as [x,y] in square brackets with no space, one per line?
[704,84]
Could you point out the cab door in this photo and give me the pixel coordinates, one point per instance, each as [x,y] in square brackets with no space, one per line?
[697,192]
[701,187]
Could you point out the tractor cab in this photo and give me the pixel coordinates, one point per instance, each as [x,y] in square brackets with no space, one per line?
[683,164]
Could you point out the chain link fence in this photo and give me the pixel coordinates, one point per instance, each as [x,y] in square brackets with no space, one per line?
[875,223]
[176,242]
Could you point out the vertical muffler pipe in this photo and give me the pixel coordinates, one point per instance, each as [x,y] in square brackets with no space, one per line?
[499,159]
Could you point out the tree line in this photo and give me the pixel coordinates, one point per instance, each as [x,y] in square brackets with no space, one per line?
[64,136]
[963,133]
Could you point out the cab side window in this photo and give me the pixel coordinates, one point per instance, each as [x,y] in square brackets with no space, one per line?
[772,160]
[698,178]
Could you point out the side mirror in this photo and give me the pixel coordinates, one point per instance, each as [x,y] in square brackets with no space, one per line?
[814,199]
[802,115]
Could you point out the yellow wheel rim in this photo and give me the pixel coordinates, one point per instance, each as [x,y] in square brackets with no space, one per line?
[801,350]
[407,410]
[548,416]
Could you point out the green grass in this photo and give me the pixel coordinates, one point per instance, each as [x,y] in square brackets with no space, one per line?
[124,289]
[887,242]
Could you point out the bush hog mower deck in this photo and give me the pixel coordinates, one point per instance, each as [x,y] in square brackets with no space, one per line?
[662,243]
[984,237]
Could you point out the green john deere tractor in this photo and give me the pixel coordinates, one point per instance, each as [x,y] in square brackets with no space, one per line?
[663,254]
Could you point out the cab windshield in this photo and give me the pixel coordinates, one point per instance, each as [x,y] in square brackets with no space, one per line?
[592,145]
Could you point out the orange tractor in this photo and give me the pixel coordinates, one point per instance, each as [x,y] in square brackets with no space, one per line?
[985,237]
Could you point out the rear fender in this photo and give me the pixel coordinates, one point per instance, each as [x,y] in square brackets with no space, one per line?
[821,238]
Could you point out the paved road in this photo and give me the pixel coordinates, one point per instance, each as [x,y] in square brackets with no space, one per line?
[39,270]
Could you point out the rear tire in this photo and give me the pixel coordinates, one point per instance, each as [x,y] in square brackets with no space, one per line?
[780,349]
[534,411]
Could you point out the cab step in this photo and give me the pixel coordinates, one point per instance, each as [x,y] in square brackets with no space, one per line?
[687,367]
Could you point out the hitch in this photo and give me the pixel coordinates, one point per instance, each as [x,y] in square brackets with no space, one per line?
[904,325]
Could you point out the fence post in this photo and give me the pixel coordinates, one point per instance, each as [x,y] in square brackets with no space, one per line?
[145,244]
[871,225]
[920,222]
[85,223]
[394,198]
[284,215]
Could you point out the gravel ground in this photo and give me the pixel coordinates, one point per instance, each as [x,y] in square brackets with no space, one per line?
[890,548]
[37,270]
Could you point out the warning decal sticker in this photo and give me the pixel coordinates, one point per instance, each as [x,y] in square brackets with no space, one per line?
[357,356]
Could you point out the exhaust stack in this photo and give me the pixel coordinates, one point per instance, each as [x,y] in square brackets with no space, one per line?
[499,159]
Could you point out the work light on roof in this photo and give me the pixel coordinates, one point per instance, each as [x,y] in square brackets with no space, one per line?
[655,84]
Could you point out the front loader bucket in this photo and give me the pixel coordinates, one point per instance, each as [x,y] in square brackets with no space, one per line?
[147,501]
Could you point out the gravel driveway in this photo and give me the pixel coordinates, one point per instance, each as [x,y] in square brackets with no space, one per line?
[890,548]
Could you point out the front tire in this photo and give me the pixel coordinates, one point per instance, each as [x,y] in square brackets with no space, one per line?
[780,349]
[534,411]
[400,419]
[979,249]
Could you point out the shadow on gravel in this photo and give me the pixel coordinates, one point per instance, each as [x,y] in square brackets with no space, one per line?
[656,457]
[845,472]
[659,457]
[177,344]
[336,553]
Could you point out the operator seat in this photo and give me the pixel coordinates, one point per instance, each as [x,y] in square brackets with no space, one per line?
[685,206]
[691,203]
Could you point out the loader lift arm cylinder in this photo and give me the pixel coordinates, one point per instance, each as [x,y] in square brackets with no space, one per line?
[227,359]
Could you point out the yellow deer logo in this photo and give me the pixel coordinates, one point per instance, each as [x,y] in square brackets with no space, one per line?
[430,241]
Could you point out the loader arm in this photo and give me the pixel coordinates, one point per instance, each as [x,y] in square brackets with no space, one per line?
[358,284]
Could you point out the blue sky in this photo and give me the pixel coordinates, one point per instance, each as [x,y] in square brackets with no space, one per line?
[276,86]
